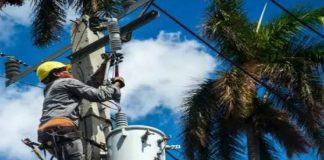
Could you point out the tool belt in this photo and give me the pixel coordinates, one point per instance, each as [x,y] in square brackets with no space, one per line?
[62,129]
[57,124]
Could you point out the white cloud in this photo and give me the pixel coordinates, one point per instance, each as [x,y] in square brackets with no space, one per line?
[10,18]
[159,71]
[19,117]
[22,15]
[13,16]
[19,14]
[8,33]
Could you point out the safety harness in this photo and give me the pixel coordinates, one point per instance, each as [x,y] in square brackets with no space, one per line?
[57,131]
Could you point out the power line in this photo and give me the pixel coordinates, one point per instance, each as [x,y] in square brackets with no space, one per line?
[13,57]
[218,52]
[25,83]
[298,19]
[172,156]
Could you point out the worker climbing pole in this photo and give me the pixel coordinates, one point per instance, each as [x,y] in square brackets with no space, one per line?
[95,119]
[91,65]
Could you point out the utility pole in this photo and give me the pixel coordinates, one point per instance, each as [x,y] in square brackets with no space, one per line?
[87,49]
[95,119]
[95,123]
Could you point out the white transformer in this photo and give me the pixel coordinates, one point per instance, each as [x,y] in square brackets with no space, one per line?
[135,142]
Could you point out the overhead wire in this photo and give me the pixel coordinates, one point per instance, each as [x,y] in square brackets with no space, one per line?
[226,58]
[219,52]
[298,19]
[13,57]
[25,83]
[171,155]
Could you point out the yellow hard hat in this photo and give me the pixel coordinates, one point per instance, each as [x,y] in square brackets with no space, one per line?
[45,68]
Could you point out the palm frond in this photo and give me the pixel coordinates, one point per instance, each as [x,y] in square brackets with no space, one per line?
[280,30]
[235,92]
[277,123]
[198,108]
[99,7]
[110,7]
[303,85]
[226,139]
[310,50]
[267,149]
[228,26]
[49,19]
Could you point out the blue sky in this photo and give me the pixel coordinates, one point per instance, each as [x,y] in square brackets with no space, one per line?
[174,54]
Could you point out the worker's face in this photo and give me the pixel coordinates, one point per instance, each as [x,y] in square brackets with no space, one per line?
[63,73]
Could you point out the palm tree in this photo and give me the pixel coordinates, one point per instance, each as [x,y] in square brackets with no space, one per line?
[223,115]
[50,15]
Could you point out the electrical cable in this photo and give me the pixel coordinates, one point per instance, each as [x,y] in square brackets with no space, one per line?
[298,19]
[218,52]
[85,28]
[25,83]
[117,106]
[146,7]
[13,57]
[172,156]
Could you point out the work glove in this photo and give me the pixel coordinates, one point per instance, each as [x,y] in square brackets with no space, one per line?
[116,96]
[106,83]
[120,80]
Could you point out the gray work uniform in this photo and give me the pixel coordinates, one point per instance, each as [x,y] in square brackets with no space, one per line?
[63,98]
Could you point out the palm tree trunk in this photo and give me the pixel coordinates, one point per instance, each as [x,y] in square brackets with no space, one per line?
[253,144]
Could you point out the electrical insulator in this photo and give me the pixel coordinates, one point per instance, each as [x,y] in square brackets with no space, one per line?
[12,68]
[114,34]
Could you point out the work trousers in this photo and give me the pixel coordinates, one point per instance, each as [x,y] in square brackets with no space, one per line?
[69,150]
[62,148]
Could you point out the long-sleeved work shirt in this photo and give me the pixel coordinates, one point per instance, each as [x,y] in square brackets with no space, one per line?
[63,97]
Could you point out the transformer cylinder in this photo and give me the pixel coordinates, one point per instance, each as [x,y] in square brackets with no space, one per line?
[136,143]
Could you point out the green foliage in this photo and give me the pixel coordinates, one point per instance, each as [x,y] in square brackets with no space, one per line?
[284,57]
[50,16]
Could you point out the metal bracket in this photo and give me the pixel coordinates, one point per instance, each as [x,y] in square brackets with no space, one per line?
[146,135]
[59,52]
[104,40]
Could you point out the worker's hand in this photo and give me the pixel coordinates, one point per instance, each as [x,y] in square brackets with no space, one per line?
[118,82]
[116,96]
[106,83]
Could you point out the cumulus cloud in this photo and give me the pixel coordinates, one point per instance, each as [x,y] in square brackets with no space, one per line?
[19,14]
[22,15]
[11,17]
[159,71]
[19,118]
[6,34]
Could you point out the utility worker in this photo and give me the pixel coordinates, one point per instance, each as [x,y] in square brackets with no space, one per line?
[59,125]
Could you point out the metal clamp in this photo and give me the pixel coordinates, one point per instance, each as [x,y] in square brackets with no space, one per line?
[146,135]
